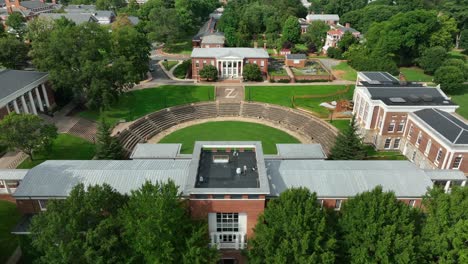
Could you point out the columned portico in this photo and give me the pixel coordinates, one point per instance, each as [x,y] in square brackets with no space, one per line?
[229,67]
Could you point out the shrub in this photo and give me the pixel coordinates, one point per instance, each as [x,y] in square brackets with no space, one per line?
[181,70]
[334,53]
[252,72]
[209,72]
[432,59]
[450,79]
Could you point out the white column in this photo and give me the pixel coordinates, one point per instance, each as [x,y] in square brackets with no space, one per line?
[242,67]
[213,239]
[44,92]
[6,187]
[463,184]
[39,100]
[237,241]
[31,103]
[242,241]
[15,105]
[23,102]
[447,187]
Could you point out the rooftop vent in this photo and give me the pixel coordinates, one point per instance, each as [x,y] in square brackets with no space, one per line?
[397,100]
[445,102]
[414,98]
[427,98]
[374,82]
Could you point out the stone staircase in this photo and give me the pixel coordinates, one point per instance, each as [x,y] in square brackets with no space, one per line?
[84,129]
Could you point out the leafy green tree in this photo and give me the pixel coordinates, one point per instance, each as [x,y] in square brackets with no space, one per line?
[107,147]
[109,4]
[444,36]
[26,132]
[316,34]
[464,39]
[293,229]
[209,72]
[158,227]
[462,65]
[432,59]
[450,78]
[362,19]
[17,22]
[334,53]
[83,228]
[362,58]
[348,144]
[13,53]
[445,230]
[291,30]
[346,41]
[252,72]
[377,228]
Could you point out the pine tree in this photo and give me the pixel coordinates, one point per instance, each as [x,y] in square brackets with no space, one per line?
[348,144]
[107,147]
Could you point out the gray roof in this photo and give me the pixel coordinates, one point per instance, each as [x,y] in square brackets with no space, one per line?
[445,124]
[103,14]
[78,18]
[80,8]
[323,17]
[12,174]
[378,76]
[347,29]
[12,81]
[445,175]
[402,95]
[56,178]
[155,151]
[229,52]
[33,4]
[300,151]
[296,56]
[134,20]
[215,38]
[330,178]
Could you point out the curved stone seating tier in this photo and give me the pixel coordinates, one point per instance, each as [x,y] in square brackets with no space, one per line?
[291,119]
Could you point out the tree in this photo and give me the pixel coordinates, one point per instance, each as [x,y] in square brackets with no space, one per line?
[109,4]
[209,72]
[316,34]
[377,228]
[450,78]
[445,230]
[17,22]
[464,39]
[362,58]
[444,36]
[252,72]
[348,144]
[13,53]
[107,147]
[158,227]
[291,30]
[362,19]
[26,132]
[346,41]
[293,229]
[462,65]
[83,228]
[334,53]
[432,59]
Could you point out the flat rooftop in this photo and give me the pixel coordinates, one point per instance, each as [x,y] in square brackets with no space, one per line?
[227,169]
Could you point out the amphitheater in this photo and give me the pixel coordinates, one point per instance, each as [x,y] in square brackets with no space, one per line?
[288,119]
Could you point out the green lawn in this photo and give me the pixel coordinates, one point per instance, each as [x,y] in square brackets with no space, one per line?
[229,131]
[9,217]
[373,154]
[415,74]
[66,147]
[462,101]
[182,47]
[282,95]
[341,124]
[277,72]
[138,103]
[457,54]
[169,64]
[344,71]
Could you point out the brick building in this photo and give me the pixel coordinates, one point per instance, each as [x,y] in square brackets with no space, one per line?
[24,92]
[228,184]
[335,34]
[295,60]
[229,61]
[29,8]
[330,19]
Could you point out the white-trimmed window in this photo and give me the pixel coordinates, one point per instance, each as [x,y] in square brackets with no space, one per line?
[457,162]
[42,204]
[412,203]
[204,62]
[428,147]
[439,155]
[391,126]
[396,143]
[401,126]
[338,205]
[419,139]
[227,222]
[255,62]
[212,62]
[410,132]
[413,156]
[387,144]
[197,64]
[262,63]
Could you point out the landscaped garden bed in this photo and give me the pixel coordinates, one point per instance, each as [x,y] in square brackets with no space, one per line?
[313,71]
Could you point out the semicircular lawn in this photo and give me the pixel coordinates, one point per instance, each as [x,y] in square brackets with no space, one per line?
[229,131]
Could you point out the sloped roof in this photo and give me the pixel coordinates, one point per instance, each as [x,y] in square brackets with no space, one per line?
[296,56]
[12,81]
[155,151]
[12,174]
[215,38]
[323,17]
[300,151]
[445,124]
[332,178]
[33,4]
[229,52]
[78,18]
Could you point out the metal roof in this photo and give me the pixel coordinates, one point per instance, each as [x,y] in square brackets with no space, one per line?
[296,56]
[300,151]
[12,174]
[155,151]
[56,178]
[229,52]
[323,17]
[215,38]
[445,175]
[447,125]
[411,95]
[78,18]
[12,81]
[329,178]
[378,76]
[33,4]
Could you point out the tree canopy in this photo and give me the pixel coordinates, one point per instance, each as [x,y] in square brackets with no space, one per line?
[432,59]
[13,52]
[107,147]
[348,144]
[209,72]
[316,34]
[293,229]
[291,30]
[252,72]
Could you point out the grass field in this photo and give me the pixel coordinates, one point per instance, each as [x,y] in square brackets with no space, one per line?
[169,64]
[373,154]
[66,147]
[229,131]
[457,54]
[135,104]
[183,47]
[341,124]
[462,101]
[282,95]
[415,74]
[9,217]
[344,71]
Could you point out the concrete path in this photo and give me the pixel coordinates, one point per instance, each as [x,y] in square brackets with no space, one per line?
[329,63]
[15,257]
[230,94]
[12,159]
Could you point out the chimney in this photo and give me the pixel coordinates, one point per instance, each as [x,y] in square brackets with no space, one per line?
[54,2]
[264,45]
[347,25]
[402,79]
[255,44]
[42,1]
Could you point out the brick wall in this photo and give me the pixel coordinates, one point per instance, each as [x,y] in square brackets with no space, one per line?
[202,62]
[28,206]
[300,64]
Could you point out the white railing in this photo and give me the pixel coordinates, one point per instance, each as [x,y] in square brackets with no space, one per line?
[225,240]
